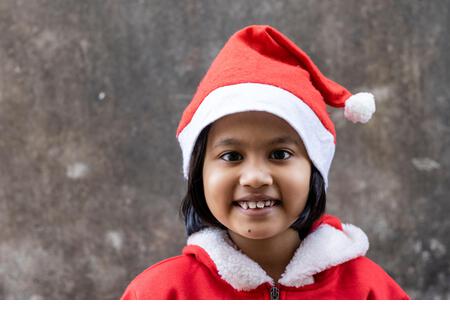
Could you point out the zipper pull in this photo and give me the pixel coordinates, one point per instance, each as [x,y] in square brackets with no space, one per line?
[274,293]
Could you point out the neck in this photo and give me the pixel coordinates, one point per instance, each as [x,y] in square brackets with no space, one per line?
[272,254]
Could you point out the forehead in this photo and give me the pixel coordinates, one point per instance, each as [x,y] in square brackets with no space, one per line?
[252,127]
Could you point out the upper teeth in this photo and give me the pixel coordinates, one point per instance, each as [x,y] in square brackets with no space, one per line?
[255,204]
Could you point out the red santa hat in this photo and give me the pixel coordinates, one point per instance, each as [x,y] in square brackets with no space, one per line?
[260,69]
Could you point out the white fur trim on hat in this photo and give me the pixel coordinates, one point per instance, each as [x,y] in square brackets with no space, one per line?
[360,107]
[319,142]
[324,248]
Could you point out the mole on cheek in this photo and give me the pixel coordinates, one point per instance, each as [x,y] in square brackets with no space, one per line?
[249,230]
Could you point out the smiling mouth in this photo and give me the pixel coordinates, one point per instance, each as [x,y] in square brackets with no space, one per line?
[256,205]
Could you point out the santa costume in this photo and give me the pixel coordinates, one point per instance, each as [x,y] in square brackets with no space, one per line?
[260,69]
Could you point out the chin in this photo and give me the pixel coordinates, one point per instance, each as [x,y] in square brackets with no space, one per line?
[257,233]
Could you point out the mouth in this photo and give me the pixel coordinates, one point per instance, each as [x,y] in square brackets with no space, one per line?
[257,208]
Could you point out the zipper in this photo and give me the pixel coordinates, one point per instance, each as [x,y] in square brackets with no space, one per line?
[274,293]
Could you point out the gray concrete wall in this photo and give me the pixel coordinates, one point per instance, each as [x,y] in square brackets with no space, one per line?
[91,93]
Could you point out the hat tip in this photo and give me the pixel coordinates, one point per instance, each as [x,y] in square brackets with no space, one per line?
[360,107]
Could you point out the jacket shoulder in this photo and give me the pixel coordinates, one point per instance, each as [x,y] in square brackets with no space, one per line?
[161,280]
[372,279]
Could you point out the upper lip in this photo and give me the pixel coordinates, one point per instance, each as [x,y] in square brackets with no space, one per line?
[256,197]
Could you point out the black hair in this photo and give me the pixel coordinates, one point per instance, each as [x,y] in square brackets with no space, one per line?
[197,215]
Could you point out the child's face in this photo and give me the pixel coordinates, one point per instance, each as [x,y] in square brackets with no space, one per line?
[254,166]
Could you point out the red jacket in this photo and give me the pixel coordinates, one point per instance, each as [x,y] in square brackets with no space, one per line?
[329,264]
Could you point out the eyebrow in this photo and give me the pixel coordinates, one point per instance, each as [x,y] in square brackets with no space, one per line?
[234,142]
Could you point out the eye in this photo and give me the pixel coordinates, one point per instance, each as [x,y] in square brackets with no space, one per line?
[281,154]
[277,155]
[231,156]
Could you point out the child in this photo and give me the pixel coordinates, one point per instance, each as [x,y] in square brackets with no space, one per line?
[257,146]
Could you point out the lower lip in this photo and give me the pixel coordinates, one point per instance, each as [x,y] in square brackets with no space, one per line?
[257,212]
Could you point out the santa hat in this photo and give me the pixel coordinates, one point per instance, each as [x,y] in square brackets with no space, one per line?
[260,69]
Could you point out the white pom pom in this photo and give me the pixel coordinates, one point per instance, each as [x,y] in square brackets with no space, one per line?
[359,107]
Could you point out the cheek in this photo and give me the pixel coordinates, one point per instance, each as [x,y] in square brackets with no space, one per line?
[295,188]
[218,188]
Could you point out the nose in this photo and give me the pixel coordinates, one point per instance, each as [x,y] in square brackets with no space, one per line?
[255,176]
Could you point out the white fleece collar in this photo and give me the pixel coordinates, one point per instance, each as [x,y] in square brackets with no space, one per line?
[324,248]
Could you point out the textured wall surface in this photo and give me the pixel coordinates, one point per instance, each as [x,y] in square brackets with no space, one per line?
[91,93]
